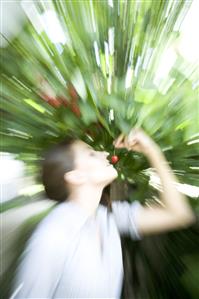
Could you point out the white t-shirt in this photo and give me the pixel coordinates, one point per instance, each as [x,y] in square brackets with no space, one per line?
[65,258]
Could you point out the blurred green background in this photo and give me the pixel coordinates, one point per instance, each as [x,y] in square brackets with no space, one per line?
[93,69]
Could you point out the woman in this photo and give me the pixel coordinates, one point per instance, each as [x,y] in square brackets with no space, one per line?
[76,250]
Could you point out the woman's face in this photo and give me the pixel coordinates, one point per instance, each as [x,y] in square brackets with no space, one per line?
[93,163]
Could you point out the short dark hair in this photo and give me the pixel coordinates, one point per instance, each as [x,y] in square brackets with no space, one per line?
[57,161]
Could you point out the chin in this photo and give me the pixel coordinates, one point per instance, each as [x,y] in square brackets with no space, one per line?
[105,176]
[113,174]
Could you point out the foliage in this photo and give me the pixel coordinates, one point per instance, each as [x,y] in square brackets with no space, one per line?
[97,76]
[111,57]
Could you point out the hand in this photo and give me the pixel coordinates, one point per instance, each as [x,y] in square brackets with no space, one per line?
[137,141]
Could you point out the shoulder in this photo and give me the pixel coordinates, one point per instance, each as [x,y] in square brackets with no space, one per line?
[61,223]
[65,213]
[126,206]
[121,206]
[126,216]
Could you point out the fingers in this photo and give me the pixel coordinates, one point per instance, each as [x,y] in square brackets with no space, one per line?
[119,142]
[133,145]
[124,141]
[137,140]
[129,142]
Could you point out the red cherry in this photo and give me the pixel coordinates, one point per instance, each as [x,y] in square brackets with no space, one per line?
[45,97]
[75,109]
[63,101]
[114,159]
[54,102]
[73,93]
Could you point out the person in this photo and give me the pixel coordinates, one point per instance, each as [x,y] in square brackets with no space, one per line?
[75,252]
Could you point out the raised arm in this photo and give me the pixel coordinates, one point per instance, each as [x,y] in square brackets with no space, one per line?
[176,212]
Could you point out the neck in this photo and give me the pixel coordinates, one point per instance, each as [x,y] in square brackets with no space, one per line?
[88,197]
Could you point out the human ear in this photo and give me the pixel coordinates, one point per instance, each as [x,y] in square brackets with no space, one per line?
[75,177]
